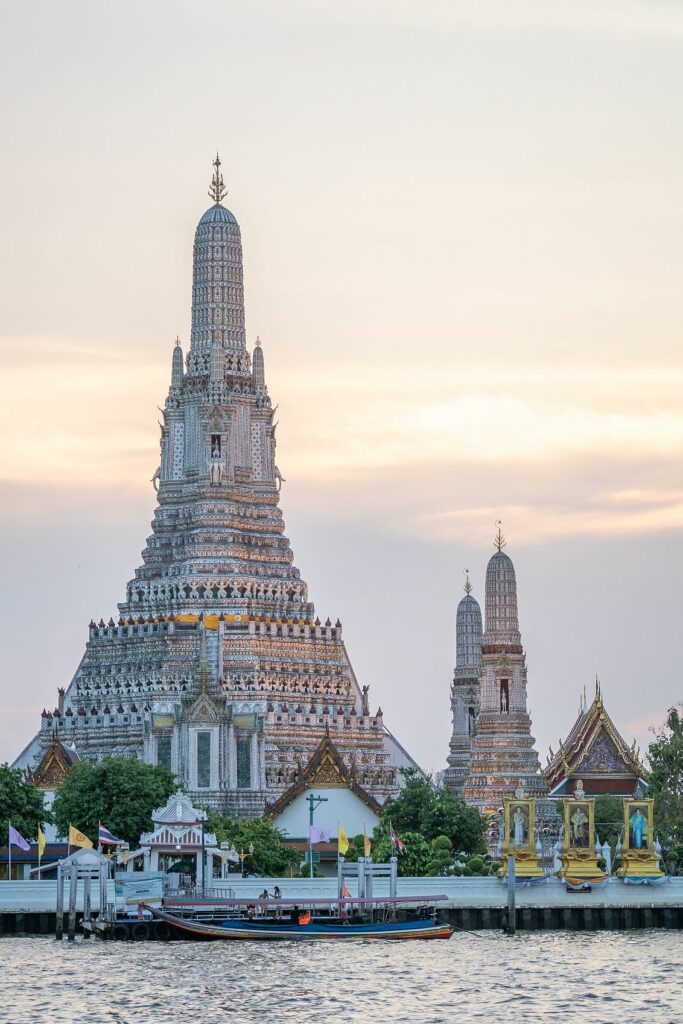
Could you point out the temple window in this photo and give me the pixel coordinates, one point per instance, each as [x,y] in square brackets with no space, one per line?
[243,763]
[203,760]
[164,749]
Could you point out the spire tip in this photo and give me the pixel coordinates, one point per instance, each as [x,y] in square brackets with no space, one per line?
[499,542]
[217,191]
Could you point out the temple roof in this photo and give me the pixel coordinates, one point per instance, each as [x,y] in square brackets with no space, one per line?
[325,770]
[55,763]
[178,810]
[218,215]
[594,749]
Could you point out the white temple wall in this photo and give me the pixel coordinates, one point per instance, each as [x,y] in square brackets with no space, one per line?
[343,808]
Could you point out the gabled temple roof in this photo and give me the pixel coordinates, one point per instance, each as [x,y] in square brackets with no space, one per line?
[55,763]
[178,810]
[594,749]
[325,770]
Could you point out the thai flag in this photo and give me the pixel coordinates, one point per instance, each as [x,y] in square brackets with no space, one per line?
[395,840]
[106,838]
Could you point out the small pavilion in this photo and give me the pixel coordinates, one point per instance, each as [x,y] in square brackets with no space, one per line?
[596,755]
[178,834]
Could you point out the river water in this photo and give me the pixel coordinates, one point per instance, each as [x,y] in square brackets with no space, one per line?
[597,977]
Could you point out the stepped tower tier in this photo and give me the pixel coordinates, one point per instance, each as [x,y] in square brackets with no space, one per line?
[503,753]
[218,665]
[464,689]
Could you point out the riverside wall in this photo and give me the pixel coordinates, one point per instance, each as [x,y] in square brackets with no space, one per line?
[28,907]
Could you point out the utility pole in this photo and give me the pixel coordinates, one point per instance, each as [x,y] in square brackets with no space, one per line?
[313,802]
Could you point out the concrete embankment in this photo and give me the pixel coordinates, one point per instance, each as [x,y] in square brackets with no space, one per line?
[28,908]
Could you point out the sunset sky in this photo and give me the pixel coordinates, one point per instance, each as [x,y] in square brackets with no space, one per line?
[462,228]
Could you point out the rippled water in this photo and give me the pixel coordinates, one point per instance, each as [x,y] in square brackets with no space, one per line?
[598,978]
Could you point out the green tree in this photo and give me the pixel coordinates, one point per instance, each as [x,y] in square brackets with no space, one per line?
[119,791]
[416,855]
[20,803]
[271,855]
[433,811]
[666,787]
[440,855]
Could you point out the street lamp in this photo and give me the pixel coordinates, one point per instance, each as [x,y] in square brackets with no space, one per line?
[243,856]
[313,802]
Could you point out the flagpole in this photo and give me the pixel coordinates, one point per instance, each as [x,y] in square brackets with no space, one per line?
[9,850]
[68,842]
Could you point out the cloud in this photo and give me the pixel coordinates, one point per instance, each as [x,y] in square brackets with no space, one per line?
[601,515]
[442,447]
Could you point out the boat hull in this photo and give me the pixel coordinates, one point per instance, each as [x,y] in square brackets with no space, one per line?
[314,931]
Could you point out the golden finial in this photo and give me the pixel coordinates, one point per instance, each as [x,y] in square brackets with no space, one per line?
[218,191]
[499,542]
[468,585]
[177,341]
[258,342]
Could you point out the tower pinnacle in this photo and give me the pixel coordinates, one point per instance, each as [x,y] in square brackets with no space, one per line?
[499,542]
[217,191]
[468,586]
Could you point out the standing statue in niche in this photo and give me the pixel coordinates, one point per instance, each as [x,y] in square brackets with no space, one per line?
[216,472]
[637,828]
[579,827]
[518,822]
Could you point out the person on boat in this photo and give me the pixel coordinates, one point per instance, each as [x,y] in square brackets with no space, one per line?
[260,909]
[277,895]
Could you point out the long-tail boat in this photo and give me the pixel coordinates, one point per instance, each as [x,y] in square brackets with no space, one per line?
[395,917]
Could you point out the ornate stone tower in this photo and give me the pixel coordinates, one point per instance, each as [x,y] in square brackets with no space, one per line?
[464,689]
[503,751]
[217,665]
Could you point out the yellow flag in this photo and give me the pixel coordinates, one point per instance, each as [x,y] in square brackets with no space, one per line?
[342,840]
[41,844]
[77,838]
[367,845]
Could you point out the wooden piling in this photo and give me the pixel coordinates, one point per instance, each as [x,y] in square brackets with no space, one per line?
[87,916]
[511,922]
[73,890]
[59,923]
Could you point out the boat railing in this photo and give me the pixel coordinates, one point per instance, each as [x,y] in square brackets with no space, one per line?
[199,892]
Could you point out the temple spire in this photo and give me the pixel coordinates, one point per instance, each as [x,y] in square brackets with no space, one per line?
[499,542]
[217,191]
[468,586]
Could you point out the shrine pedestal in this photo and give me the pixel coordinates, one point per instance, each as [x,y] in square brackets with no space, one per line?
[520,836]
[638,858]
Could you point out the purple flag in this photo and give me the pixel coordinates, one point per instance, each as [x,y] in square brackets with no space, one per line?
[319,835]
[17,839]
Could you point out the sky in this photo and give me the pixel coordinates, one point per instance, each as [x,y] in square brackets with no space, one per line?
[462,229]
